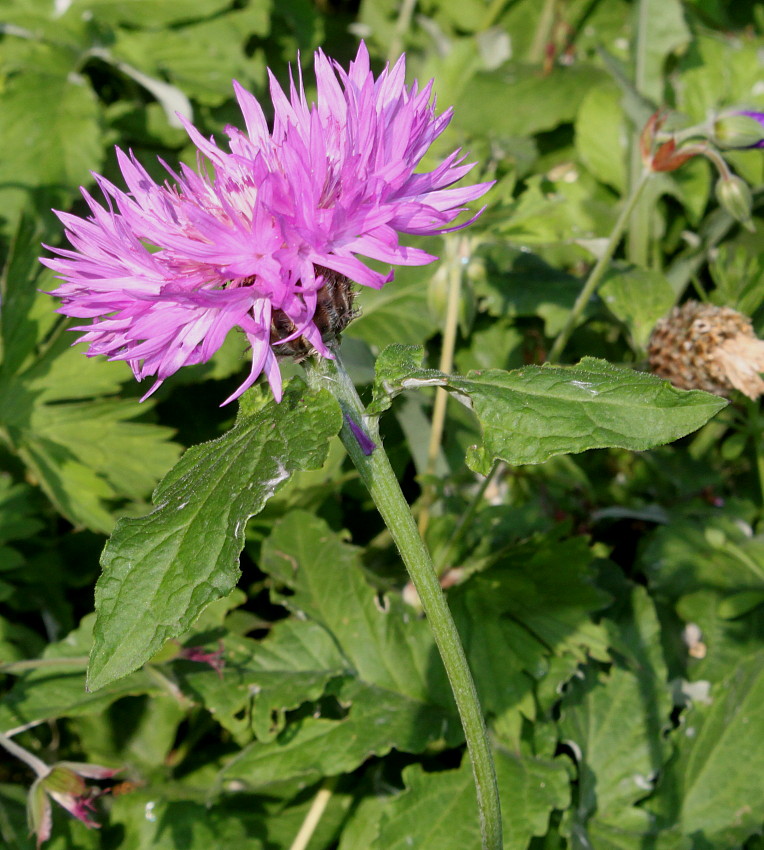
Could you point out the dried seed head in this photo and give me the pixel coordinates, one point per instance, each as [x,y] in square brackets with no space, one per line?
[704,347]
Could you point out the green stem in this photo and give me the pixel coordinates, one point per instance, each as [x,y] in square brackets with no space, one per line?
[31,760]
[378,475]
[753,427]
[466,519]
[14,667]
[599,269]
[456,252]
[543,33]
[759,467]
[638,238]
[315,813]
[491,14]
[402,25]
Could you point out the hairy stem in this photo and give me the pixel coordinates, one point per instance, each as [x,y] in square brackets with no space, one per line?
[378,475]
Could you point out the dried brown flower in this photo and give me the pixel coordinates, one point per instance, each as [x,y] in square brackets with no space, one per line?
[705,347]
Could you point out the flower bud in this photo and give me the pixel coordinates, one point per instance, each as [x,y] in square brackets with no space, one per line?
[63,780]
[476,270]
[39,816]
[669,157]
[734,196]
[739,130]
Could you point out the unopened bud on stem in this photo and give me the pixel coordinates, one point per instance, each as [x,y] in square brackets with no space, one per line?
[736,130]
[735,197]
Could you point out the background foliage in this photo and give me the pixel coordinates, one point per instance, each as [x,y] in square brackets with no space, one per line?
[610,602]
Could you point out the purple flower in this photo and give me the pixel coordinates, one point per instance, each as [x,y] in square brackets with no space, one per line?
[166,271]
[216,659]
[64,783]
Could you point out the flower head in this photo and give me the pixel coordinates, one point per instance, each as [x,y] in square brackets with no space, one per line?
[65,783]
[705,347]
[283,217]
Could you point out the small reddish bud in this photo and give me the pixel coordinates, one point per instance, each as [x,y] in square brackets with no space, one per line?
[200,654]
[649,132]
[668,158]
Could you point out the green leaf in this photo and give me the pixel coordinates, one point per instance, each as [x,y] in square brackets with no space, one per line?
[160,571]
[393,366]
[531,414]
[715,553]
[362,825]
[56,688]
[17,520]
[719,641]
[560,91]
[17,641]
[391,686]
[396,313]
[714,786]
[18,333]
[149,819]
[738,604]
[174,816]
[291,666]
[615,723]
[202,58]
[660,29]
[716,73]
[619,747]
[380,640]
[549,212]
[83,450]
[50,133]
[636,105]
[377,720]
[601,136]
[85,454]
[638,297]
[534,604]
[139,13]
[522,284]
[440,810]
[739,279]
[635,830]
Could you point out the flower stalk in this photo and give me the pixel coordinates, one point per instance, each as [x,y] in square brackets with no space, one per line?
[21,753]
[599,269]
[457,255]
[383,486]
